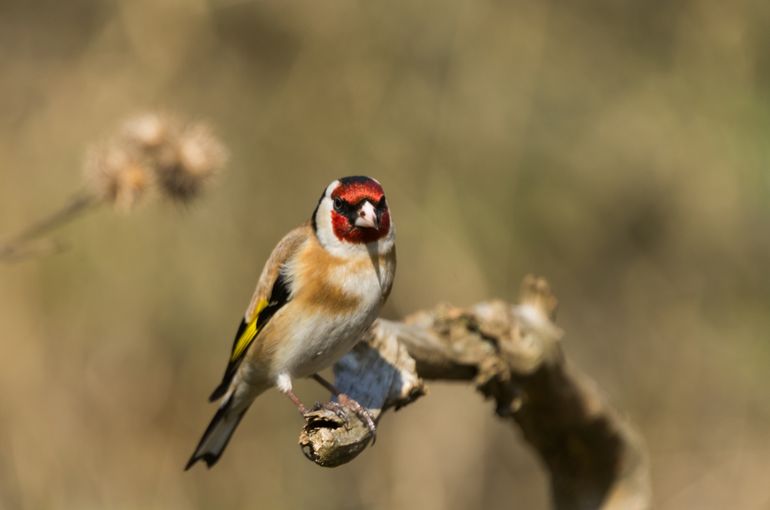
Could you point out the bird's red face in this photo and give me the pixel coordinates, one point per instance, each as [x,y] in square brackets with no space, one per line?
[359,213]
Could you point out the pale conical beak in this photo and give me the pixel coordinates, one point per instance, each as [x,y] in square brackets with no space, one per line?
[367,216]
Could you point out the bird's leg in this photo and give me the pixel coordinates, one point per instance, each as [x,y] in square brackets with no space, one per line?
[283,382]
[297,402]
[350,403]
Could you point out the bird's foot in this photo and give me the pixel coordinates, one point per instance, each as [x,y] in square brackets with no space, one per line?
[343,405]
[362,413]
[345,401]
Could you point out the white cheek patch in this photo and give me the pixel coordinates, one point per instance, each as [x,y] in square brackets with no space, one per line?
[326,235]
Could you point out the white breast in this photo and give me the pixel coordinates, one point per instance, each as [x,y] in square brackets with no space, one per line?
[317,339]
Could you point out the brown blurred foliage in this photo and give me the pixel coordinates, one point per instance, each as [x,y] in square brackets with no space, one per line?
[619,148]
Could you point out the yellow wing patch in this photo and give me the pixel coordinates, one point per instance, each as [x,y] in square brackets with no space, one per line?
[249,333]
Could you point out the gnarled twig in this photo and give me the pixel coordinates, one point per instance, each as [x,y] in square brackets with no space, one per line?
[513,355]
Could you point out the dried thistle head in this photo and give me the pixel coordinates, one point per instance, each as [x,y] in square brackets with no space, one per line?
[192,158]
[149,130]
[155,150]
[117,175]
[149,151]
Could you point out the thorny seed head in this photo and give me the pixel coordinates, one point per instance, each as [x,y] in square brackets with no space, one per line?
[116,175]
[155,149]
[149,130]
[188,164]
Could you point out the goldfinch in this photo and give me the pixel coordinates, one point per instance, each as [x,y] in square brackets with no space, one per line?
[321,288]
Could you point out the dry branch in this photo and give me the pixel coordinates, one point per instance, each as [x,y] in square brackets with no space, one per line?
[513,355]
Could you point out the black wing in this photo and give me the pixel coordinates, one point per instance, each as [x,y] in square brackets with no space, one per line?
[248,331]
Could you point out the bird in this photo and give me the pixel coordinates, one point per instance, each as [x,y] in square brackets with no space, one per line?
[321,288]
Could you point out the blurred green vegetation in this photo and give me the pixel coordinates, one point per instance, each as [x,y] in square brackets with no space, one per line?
[618,148]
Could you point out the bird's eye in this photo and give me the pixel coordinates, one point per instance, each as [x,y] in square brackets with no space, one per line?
[382,204]
[338,204]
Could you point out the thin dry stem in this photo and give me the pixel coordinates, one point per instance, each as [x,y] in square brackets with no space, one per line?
[20,247]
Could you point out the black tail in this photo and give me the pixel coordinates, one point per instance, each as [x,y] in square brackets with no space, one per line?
[217,435]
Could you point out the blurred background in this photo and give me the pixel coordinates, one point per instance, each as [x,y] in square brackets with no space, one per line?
[618,148]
